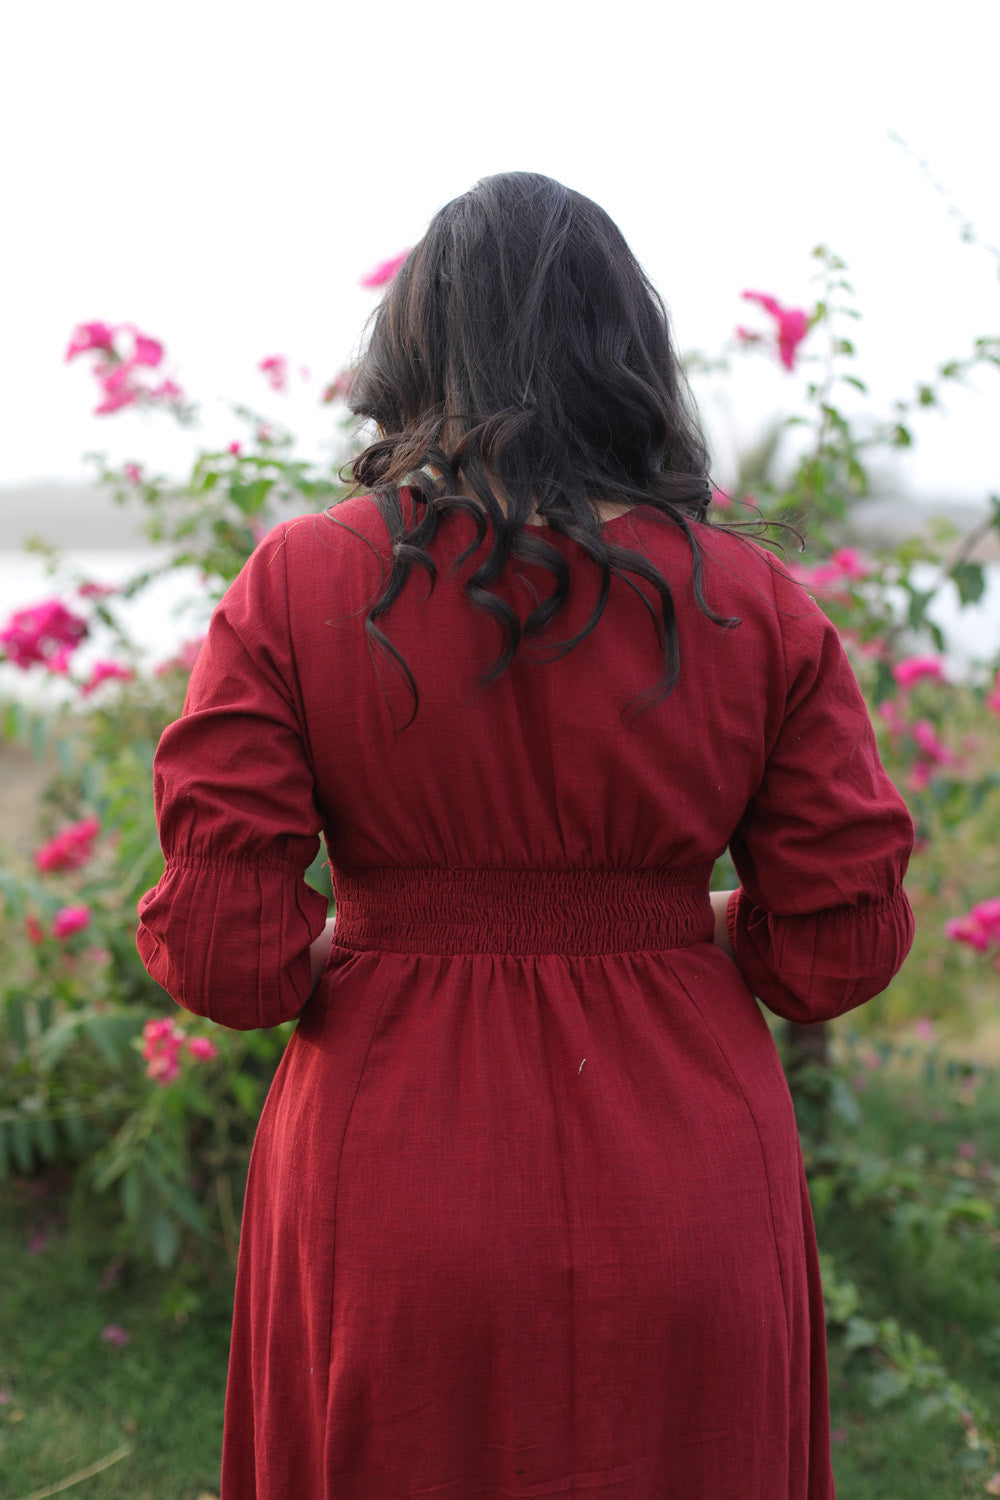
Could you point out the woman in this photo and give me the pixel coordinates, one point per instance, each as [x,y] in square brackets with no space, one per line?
[526,1213]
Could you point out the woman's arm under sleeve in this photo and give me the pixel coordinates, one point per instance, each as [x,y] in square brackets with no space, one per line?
[821,922]
[227,930]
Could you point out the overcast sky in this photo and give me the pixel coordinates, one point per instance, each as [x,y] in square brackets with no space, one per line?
[221,172]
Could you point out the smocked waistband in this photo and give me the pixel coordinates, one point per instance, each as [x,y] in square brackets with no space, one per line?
[399,910]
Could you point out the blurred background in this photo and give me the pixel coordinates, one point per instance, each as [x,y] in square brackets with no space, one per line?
[221,174]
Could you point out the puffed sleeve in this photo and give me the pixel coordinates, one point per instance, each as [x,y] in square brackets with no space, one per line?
[821,922]
[227,930]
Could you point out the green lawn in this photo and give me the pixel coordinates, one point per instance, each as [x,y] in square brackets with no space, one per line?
[74,1400]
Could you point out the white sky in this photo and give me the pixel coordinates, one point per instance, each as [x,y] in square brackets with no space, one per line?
[220,172]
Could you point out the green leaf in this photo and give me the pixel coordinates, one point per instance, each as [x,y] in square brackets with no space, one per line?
[20,1139]
[860,1333]
[885,1386]
[901,436]
[164,1238]
[917,610]
[969,580]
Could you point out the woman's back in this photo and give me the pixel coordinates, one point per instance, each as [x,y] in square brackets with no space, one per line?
[527,1213]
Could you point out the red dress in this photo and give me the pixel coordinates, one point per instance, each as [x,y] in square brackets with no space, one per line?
[526,1213]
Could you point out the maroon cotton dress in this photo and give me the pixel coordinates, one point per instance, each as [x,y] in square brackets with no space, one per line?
[526,1212]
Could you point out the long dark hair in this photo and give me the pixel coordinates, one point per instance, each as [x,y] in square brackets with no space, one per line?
[522,349]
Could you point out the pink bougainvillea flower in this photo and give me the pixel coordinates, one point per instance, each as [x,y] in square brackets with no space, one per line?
[993,698]
[748,335]
[235,449]
[792,325]
[95,590]
[70,919]
[202,1048]
[384,272]
[101,671]
[912,668]
[932,748]
[147,351]
[721,499]
[340,387]
[133,473]
[966,1150]
[161,1046]
[275,371]
[924,1029]
[167,390]
[87,336]
[185,659]
[115,1335]
[891,710]
[33,929]
[850,564]
[70,849]
[980,927]
[45,633]
[118,388]
[124,353]
[844,566]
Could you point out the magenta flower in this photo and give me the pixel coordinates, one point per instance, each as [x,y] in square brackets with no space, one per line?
[185,659]
[70,849]
[993,698]
[167,390]
[384,272]
[95,590]
[115,1335]
[924,1029]
[930,746]
[844,565]
[133,473]
[913,668]
[891,710]
[68,920]
[201,1048]
[235,449]
[118,387]
[162,1042]
[86,336]
[123,353]
[275,371]
[102,671]
[339,389]
[33,929]
[980,927]
[721,499]
[46,633]
[147,351]
[792,325]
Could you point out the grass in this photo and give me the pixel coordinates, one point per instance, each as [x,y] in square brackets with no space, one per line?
[152,1408]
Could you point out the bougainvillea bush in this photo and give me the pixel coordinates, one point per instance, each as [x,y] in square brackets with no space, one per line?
[102,1072]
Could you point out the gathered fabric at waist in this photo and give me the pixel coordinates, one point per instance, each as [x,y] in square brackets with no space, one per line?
[501,911]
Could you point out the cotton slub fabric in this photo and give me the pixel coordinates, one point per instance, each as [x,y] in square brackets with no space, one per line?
[526,1213]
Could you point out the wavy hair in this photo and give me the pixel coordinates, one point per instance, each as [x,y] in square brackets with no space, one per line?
[520,365]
